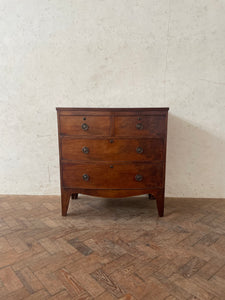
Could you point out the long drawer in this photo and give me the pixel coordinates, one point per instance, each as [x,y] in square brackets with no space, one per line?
[112,149]
[112,175]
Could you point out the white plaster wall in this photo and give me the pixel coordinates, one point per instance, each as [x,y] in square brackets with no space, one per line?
[112,53]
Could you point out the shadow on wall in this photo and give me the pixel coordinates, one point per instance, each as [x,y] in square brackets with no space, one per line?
[195,161]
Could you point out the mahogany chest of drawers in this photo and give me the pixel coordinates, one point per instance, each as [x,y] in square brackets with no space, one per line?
[112,152]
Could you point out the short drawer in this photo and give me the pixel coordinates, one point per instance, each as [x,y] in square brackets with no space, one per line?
[149,126]
[85,125]
[112,149]
[114,176]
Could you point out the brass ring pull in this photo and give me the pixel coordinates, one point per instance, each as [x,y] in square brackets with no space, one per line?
[84,126]
[139,126]
[138,177]
[85,150]
[86,177]
[139,150]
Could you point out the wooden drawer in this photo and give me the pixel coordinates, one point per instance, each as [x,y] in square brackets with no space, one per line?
[114,175]
[112,149]
[85,126]
[143,126]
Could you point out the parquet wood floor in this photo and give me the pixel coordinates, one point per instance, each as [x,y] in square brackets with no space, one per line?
[111,249]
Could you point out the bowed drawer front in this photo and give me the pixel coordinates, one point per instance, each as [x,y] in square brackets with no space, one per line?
[112,152]
[113,175]
[76,149]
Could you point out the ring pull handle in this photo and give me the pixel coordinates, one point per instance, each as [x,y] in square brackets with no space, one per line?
[84,126]
[139,126]
[138,177]
[86,177]
[139,150]
[85,150]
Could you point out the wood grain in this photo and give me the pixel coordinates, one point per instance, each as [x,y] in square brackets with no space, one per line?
[112,149]
[113,175]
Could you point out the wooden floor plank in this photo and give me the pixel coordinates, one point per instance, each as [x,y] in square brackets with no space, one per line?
[18,294]
[106,282]
[73,286]
[10,279]
[29,280]
[42,294]
[49,281]
[88,283]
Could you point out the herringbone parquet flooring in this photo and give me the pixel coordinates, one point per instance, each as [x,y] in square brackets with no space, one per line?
[111,249]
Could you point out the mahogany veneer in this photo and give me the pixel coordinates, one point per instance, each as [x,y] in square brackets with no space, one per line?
[112,152]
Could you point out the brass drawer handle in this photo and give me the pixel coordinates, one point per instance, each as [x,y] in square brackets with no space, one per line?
[84,126]
[139,126]
[86,177]
[138,177]
[85,150]
[139,150]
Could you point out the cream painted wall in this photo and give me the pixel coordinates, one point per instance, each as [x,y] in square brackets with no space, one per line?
[112,53]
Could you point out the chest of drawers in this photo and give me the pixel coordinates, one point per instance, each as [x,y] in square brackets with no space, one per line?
[112,152]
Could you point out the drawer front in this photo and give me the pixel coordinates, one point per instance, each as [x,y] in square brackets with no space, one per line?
[112,149]
[114,176]
[85,125]
[148,126]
